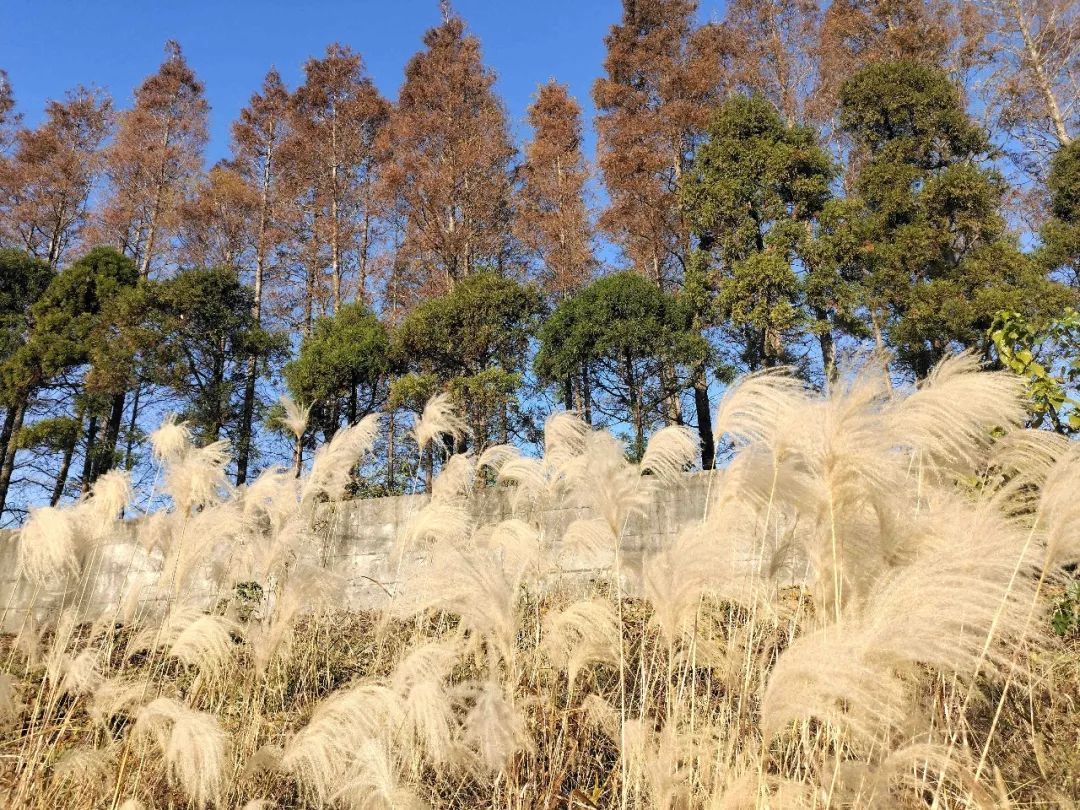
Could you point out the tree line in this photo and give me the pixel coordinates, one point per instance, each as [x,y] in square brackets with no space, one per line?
[779,187]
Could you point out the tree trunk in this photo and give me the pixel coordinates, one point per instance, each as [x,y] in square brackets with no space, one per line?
[91,453]
[247,413]
[568,393]
[65,462]
[129,449]
[1038,67]
[12,425]
[828,347]
[586,396]
[390,453]
[704,417]
[243,445]
[107,457]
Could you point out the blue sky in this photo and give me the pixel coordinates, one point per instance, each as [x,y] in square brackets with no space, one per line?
[48,46]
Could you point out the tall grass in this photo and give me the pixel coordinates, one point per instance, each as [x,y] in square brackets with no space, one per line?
[858,620]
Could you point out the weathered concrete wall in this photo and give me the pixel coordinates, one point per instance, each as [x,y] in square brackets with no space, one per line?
[355,543]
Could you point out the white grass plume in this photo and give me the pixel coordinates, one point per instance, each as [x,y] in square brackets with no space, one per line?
[585,632]
[495,456]
[110,494]
[529,477]
[48,551]
[81,674]
[194,638]
[951,415]
[273,496]
[87,768]
[375,782]
[198,477]
[518,545]
[296,415]
[192,744]
[420,679]
[454,480]
[116,697]
[171,441]
[752,408]
[436,522]
[320,754]
[493,727]
[307,588]
[475,585]
[1059,510]
[440,418]
[669,452]
[603,479]
[960,608]
[331,469]
[565,437]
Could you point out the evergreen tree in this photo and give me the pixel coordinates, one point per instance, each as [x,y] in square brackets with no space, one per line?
[197,331]
[474,342]
[936,260]
[627,333]
[755,187]
[72,334]
[23,279]
[1060,251]
[342,368]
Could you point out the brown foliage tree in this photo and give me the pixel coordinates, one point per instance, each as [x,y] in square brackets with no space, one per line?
[9,119]
[45,187]
[856,33]
[448,181]
[217,222]
[259,136]
[336,117]
[1034,82]
[663,76]
[778,61]
[552,220]
[156,155]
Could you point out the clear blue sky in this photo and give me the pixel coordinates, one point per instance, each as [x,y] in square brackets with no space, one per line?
[48,46]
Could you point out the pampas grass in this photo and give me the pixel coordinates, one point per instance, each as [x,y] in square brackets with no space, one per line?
[857,617]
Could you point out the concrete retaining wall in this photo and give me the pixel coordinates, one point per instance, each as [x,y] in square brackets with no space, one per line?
[355,542]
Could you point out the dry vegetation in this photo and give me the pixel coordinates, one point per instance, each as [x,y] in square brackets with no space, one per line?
[859,620]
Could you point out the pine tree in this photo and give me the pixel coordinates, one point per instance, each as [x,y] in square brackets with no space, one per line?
[754,190]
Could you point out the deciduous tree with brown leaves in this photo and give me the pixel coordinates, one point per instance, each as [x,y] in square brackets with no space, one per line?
[337,115]
[45,187]
[664,75]
[448,180]
[778,61]
[552,216]
[154,159]
[258,138]
[1034,82]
